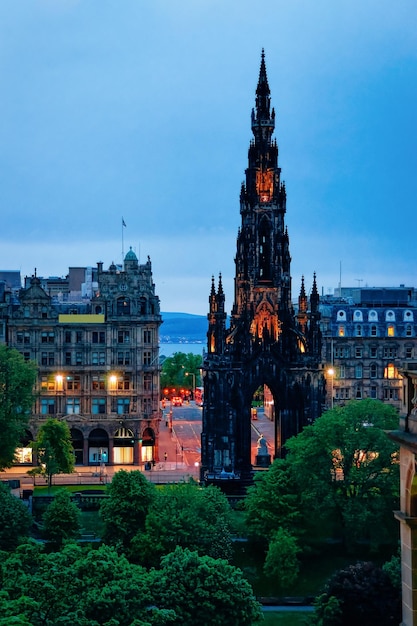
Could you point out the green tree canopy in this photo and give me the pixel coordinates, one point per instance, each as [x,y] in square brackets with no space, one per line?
[176,366]
[281,561]
[17,380]
[15,519]
[124,512]
[61,520]
[75,587]
[340,476]
[54,449]
[273,501]
[203,591]
[188,516]
[360,594]
[345,465]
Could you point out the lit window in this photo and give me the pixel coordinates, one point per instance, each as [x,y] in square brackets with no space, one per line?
[390,371]
[390,330]
[73,382]
[341,331]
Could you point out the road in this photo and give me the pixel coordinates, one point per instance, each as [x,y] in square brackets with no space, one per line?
[186,427]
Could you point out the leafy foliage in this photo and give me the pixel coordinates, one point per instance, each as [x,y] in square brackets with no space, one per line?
[54,449]
[202,591]
[281,561]
[61,519]
[78,587]
[188,516]
[15,519]
[346,469]
[17,379]
[74,587]
[361,594]
[175,367]
[124,511]
[272,501]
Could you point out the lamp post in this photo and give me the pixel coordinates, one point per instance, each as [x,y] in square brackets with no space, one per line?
[330,372]
[193,375]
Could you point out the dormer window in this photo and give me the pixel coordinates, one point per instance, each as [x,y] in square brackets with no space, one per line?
[357,316]
[341,316]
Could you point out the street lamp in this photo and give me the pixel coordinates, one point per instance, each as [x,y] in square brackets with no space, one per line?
[330,372]
[193,375]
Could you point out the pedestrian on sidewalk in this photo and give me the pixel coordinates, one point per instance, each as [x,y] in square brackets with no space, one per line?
[165,457]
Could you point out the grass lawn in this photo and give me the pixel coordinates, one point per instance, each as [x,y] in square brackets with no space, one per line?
[314,570]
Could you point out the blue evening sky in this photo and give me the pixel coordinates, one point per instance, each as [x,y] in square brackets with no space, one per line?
[141,109]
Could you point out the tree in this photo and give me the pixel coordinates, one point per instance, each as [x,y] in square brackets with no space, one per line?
[346,467]
[360,594]
[202,590]
[17,380]
[281,561]
[176,366]
[54,449]
[124,512]
[75,587]
[272,502]
[61,520]
[15,519]
[188,516]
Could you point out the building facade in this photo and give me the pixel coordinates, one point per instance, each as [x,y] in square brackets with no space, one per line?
[368,338]
[97,351]
[266,344]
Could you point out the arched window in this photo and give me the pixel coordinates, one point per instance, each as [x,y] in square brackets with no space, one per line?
[341,331]
[373,370]
[390,330]
[390,371]
[123,306]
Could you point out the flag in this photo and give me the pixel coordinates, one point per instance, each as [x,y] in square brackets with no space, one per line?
[123,223]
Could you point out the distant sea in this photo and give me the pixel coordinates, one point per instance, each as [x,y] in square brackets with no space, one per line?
[168,349]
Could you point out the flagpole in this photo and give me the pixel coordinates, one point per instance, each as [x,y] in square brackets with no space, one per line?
[123,247]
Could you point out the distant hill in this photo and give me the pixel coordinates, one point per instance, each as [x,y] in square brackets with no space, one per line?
[183,327]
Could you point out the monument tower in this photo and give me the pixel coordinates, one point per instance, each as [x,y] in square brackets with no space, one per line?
[266,343]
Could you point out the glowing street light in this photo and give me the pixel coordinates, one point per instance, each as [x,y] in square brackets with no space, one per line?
[330,373]
[193,375]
